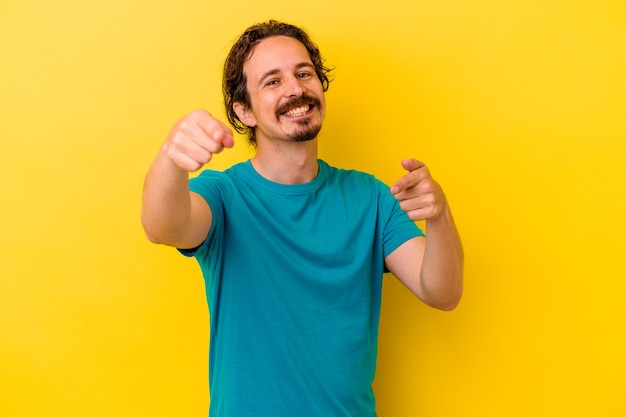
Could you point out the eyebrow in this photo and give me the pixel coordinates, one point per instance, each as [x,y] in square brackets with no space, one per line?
[277,71]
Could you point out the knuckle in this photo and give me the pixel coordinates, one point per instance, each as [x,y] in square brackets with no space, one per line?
[185,127]
[178,139]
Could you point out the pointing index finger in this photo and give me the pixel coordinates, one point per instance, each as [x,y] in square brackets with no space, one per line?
[409,180]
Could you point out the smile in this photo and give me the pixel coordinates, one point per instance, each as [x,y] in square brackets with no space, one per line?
[298,111]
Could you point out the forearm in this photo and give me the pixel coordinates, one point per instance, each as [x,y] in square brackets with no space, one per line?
[441,277]
[166,205]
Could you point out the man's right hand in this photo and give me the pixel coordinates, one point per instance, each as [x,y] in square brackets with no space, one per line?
[195,138]
[170,214]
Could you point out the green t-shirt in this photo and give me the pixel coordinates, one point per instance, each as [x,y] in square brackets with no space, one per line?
[293,277]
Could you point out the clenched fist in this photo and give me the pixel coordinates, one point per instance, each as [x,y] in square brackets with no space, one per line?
[195,138]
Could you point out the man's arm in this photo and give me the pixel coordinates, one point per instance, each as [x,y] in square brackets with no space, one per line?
[171,214]
[432,266]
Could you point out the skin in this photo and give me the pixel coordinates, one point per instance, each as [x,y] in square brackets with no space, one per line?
[280,77]
[280,71]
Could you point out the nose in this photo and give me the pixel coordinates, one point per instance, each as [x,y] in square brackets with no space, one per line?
[295,87]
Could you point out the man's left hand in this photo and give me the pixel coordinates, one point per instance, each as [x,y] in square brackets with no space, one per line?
[419,194]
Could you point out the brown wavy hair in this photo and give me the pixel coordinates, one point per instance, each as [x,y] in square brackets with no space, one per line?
[234,81]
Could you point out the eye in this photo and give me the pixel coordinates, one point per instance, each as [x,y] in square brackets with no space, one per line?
[271,82]
[304,75]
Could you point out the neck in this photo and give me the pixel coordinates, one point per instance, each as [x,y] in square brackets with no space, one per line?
[287,162]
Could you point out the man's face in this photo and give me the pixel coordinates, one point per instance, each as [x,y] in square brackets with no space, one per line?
[286,96]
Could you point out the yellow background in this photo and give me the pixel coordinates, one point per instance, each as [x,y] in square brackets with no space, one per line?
[517,106]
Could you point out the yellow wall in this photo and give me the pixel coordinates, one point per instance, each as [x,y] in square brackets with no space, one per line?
[517,106]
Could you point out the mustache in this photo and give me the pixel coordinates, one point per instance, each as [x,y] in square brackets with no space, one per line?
[303,100]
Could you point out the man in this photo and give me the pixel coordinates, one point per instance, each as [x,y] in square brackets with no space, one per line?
[292,250]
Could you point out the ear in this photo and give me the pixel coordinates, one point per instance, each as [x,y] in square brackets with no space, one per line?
[244,114]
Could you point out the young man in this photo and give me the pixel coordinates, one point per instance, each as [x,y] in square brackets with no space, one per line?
[292,250]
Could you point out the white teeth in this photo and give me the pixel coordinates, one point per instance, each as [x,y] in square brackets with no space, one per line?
[298,111]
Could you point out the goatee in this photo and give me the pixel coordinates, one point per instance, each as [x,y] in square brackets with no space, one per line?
[306,131]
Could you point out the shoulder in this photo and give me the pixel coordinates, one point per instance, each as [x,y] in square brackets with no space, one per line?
[208,176]
[218,187]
